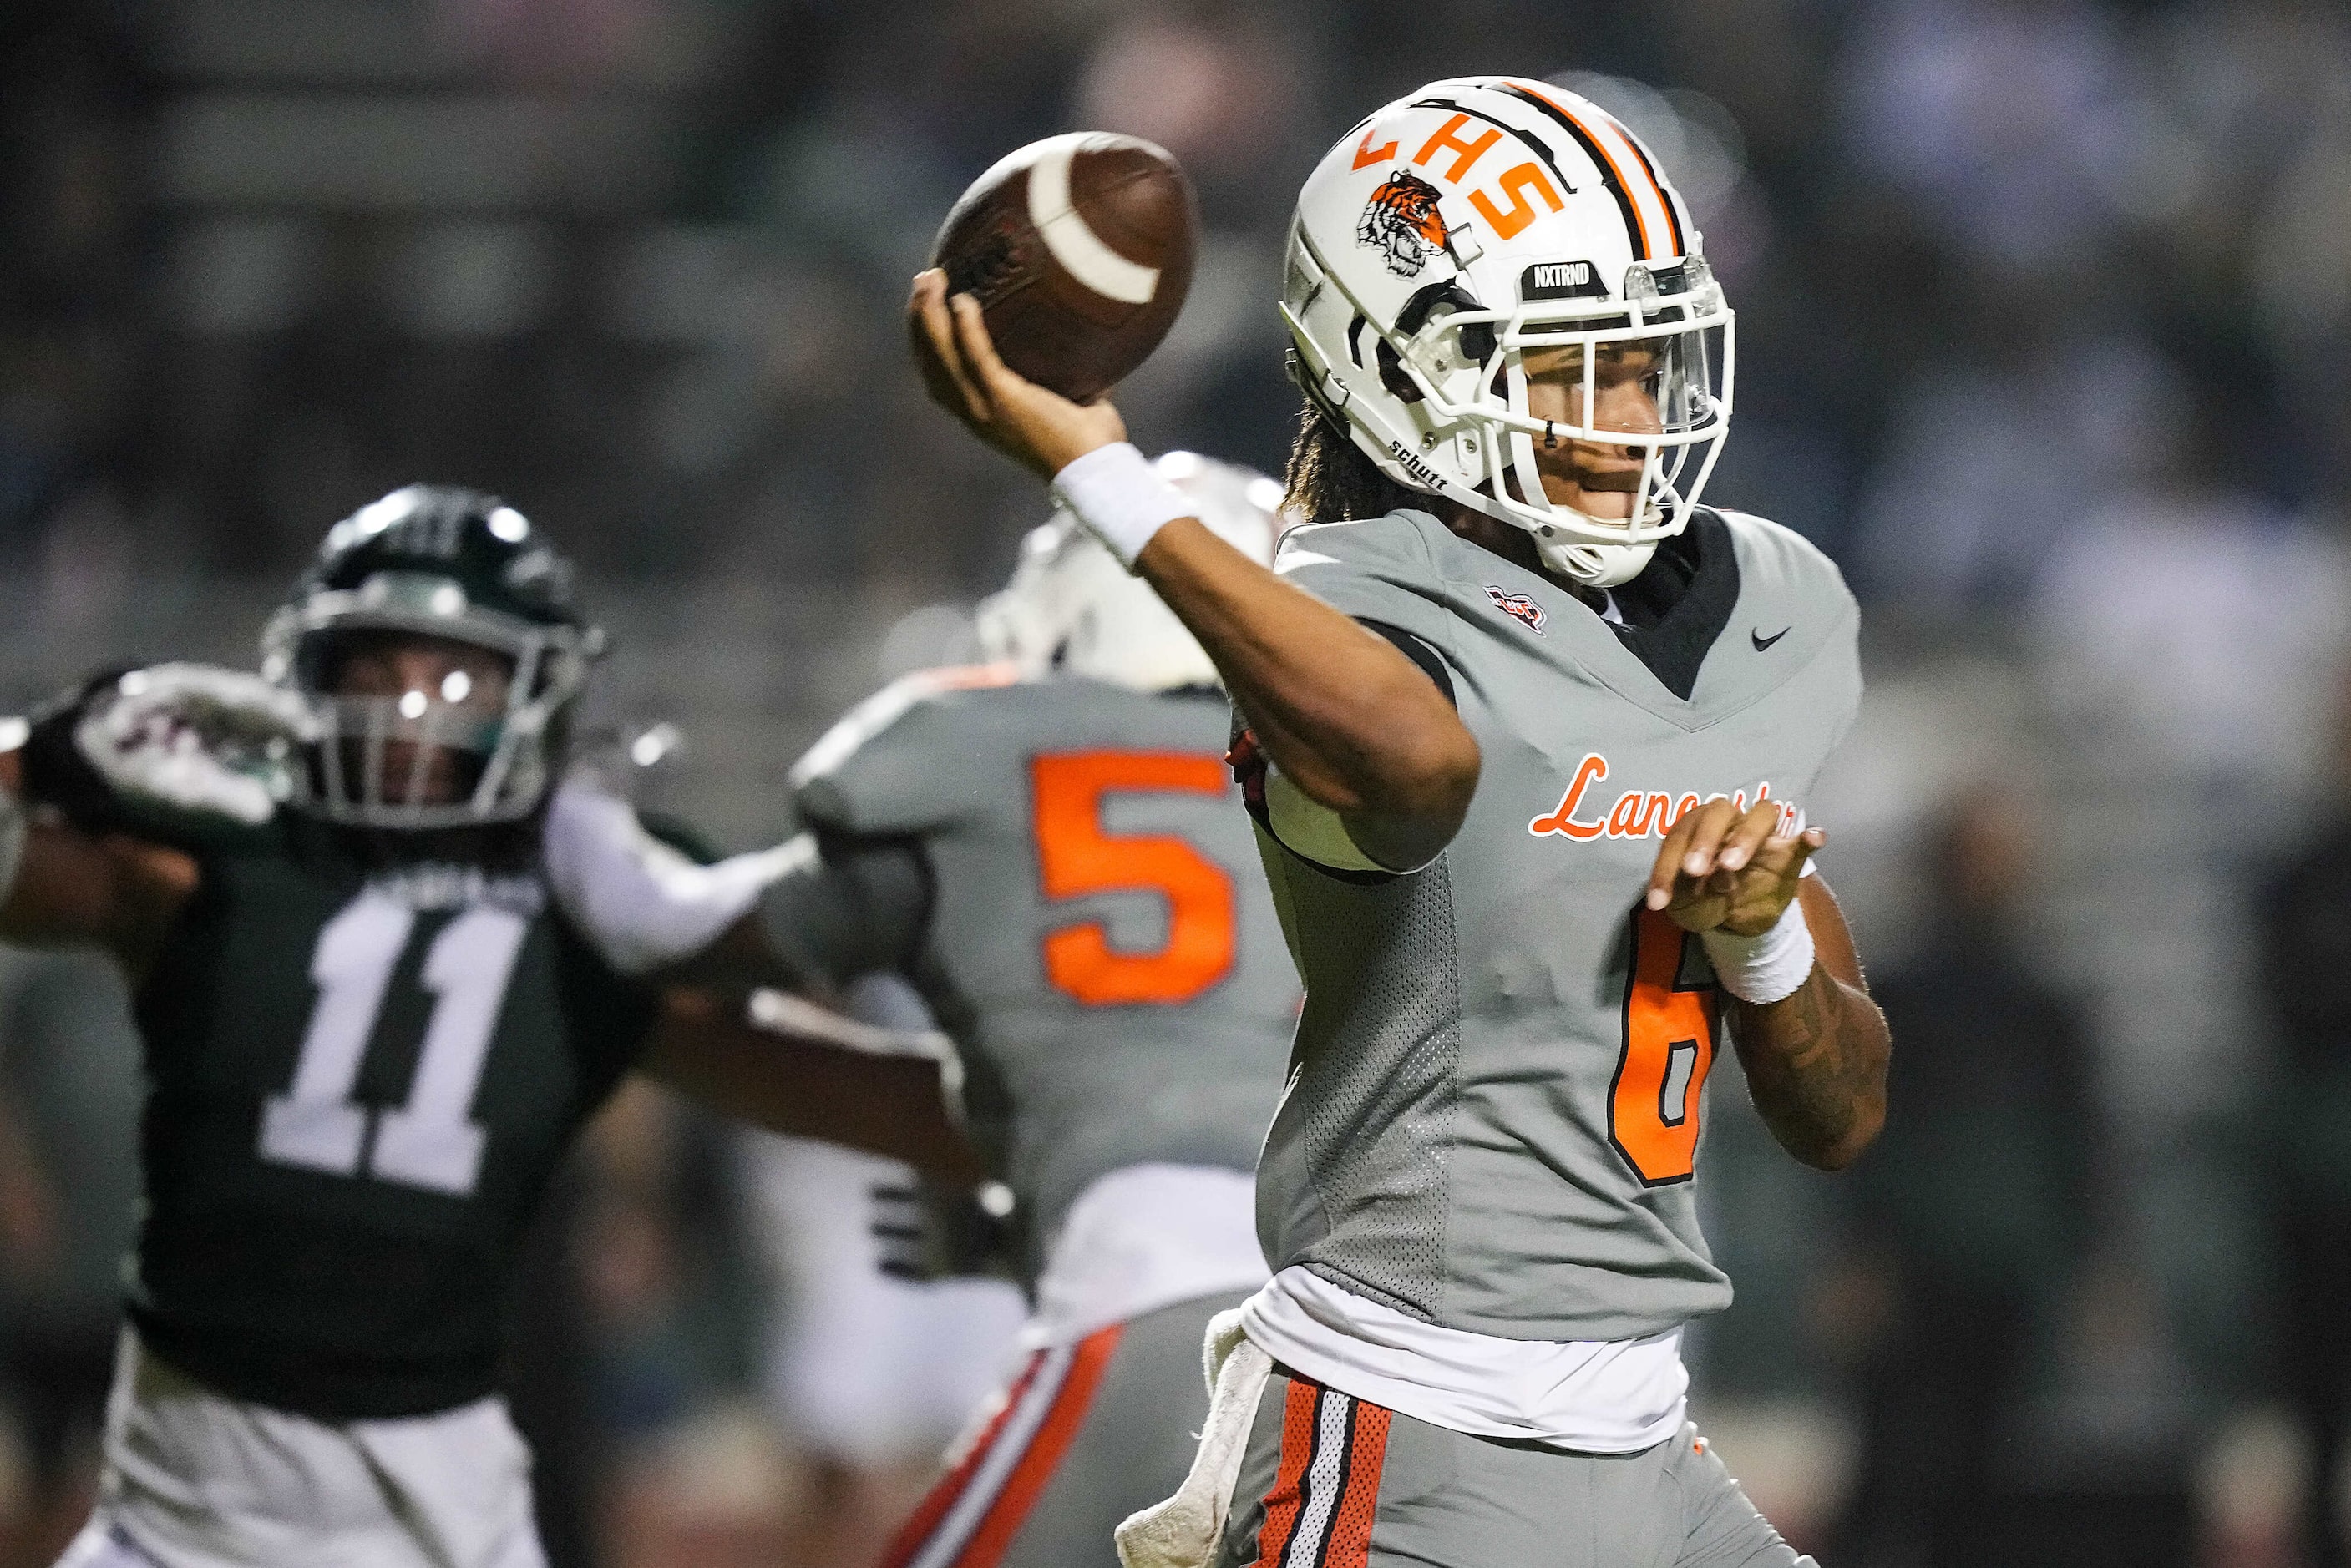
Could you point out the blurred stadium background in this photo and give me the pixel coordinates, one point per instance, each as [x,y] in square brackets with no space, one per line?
[2046,320]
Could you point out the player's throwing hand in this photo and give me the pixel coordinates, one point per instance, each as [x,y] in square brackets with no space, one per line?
[1035,427]
[1722,869]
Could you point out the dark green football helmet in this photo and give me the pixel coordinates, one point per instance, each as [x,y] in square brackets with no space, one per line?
[438,562]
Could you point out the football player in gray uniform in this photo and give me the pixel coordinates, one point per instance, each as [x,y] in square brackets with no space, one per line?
[1528,727]
[1051,849]
[385,961]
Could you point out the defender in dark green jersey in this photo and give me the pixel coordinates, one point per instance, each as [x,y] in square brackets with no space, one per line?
[384,966]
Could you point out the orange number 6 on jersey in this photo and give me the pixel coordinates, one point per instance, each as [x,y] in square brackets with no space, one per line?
[1669,1036]
[1075,857]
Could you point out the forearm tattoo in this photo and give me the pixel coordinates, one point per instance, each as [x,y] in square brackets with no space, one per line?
[1815,1063]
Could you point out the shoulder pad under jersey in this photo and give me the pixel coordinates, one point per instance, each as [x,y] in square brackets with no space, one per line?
[881,769]
[1785,579]
[1788,587]
[1787,558]
[1377,568]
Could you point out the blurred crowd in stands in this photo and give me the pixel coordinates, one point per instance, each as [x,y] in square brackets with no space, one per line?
[2045,334]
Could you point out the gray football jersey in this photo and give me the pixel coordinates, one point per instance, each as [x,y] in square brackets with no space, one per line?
[1493,1120]
[1064,871]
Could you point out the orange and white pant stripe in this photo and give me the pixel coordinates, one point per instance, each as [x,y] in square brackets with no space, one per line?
[971,1517]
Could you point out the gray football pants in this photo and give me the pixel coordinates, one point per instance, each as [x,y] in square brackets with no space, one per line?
[1331,1481]
[1086,1435]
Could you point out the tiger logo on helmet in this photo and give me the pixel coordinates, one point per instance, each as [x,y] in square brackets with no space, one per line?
[1402,222]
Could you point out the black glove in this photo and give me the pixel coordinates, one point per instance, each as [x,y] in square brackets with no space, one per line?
[928,1233]
[54,772]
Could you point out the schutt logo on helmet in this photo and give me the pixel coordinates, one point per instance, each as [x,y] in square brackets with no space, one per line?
[1400,221]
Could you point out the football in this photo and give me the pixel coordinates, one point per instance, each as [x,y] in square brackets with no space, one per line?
[1079,249]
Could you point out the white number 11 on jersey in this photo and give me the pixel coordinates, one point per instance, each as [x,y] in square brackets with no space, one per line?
[431,1141]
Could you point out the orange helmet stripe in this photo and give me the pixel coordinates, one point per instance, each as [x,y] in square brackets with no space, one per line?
[1641,189]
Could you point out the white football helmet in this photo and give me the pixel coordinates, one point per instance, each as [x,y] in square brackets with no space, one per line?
[1071,607]
[1475,222]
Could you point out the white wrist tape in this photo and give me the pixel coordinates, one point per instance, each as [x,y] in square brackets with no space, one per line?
[1119,498]
[1767,967]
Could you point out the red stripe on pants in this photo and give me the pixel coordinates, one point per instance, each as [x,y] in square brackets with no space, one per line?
[1028,1478]
[1281,1503]
[942,1494]
[1351,1522]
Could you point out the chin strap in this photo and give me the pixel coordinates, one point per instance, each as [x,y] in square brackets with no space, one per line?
[1594,563]
[1594,566]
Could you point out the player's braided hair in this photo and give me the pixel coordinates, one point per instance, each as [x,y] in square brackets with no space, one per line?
[1330,479]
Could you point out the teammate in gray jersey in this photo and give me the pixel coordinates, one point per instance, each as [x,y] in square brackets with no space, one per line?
[1050,848]
[1527,731]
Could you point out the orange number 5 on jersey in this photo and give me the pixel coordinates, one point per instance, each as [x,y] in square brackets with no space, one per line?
[1075,857]
[1669,1033]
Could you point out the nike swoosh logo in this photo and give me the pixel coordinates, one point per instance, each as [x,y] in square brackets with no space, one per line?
[1762,642]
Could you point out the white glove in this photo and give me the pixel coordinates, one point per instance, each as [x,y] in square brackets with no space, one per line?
[196,737]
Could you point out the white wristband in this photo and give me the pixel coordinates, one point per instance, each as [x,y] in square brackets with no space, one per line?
[1767,967]
[1119,498]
